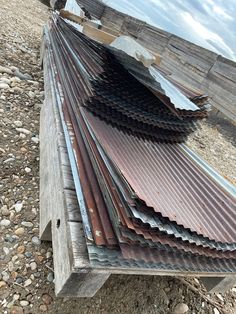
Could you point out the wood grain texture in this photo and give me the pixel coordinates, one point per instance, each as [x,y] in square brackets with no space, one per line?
[60,219]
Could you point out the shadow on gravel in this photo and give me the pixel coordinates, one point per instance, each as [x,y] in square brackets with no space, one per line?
[224,125]
[46,2]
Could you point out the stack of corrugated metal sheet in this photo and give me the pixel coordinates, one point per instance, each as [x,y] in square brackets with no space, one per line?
[116,96]
[145,203]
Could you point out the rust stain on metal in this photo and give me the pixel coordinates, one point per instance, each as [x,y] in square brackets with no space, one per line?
[170,183]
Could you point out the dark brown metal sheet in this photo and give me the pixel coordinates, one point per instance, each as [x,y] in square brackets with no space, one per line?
[170,183]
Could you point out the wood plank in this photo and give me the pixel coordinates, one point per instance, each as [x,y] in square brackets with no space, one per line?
[156,272]
[98,35]
[72,17]
[82,285]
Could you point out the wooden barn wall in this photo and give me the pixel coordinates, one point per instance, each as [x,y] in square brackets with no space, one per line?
[189,64]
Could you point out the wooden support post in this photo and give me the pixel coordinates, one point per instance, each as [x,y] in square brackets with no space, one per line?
[60,220]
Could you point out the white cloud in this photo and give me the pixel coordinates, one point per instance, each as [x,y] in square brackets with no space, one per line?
[221,13]
[208,23]
[205,33]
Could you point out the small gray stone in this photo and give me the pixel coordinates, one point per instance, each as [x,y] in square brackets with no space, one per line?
[33,266]
[22,130]
[181,308]
[37,274]
[18,124]
[31,94]
[35,240]
[24,302]
[219,296]
[50,277]
[5,276]
[5,211]
[27,170]
[14,258]
[35,139]
[15,79]
[5,70]
[9,238]
[5,222]
[5,80]
[27,283]
[10,266]
[19,280]
[6,250]
[18,207]
[16,297]
[48,255]
[9,160]
[4,86]
[22,76]
[22,135]
[27,224]
[28,254]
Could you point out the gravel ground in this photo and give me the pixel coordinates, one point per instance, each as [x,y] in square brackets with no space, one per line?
[215,141]
[26,264]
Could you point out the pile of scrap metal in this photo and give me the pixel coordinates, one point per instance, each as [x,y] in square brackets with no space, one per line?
[145,200]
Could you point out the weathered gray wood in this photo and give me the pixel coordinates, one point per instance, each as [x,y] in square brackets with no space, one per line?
[47,163]
[60,219]
[153,39]
[157,272]
[219,285]
[95,8]
[82,285]
[111,18]
[132,26]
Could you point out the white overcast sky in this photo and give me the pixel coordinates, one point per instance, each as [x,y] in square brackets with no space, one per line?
[208,23]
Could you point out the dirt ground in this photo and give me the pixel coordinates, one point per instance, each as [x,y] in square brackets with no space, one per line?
[26,264]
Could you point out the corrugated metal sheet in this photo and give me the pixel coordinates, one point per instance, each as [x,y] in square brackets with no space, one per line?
[166,180]
[112,93]
[153,79]
[141,258]
[149,221]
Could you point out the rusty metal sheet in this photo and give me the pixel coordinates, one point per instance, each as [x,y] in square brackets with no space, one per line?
[166,180]
[154,235]
[176,259]
[152,222]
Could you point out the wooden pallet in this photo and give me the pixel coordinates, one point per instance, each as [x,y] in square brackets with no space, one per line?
[60,220]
